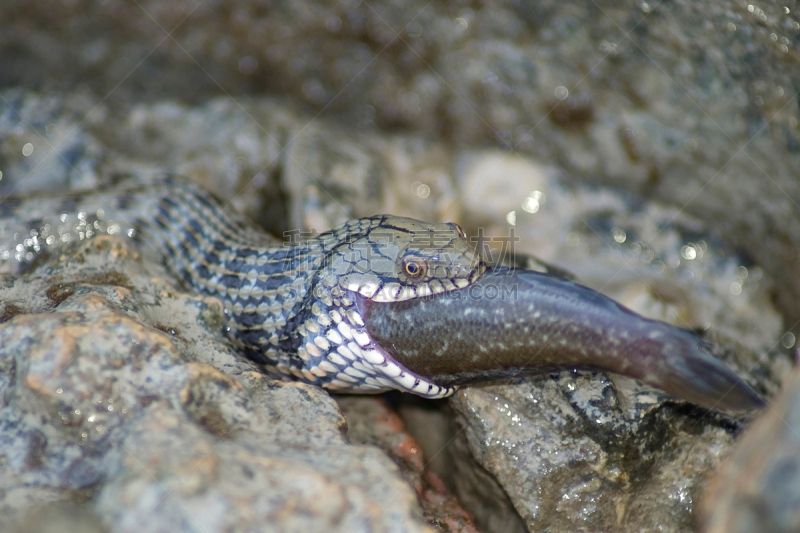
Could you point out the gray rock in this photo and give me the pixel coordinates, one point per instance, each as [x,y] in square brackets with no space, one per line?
[118,390]
[371,421]
[758,487]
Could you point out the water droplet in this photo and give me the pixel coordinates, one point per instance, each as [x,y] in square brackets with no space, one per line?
[530,204]
[414,29]
[736,288]
[561,92]
[619,235]
[689,252]
[608,48]
[788,339]
[27,149]
[511,218]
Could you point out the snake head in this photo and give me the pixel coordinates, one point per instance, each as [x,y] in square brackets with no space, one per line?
[393,259]
[380,259]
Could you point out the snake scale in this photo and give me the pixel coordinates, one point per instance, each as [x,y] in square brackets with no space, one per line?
[379,303]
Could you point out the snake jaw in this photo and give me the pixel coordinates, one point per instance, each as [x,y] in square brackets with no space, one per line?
[339,354]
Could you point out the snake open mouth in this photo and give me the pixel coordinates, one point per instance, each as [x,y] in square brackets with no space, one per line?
[515,322]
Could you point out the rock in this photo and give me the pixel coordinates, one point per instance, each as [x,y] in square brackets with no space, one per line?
[119,391]
[370,421]
[571,451]
[757,486]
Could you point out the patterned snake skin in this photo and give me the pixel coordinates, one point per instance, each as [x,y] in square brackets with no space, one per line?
[290,307]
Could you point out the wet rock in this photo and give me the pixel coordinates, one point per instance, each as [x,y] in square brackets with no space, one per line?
[121,393]
[757,487]
[371,421]
[571,451]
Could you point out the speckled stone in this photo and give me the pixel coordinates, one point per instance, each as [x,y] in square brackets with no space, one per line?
[119,391]
[572,451]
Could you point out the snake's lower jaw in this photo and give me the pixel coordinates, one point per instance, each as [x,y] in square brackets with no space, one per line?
[514,322]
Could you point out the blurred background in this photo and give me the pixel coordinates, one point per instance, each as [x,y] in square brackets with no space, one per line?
[694,104]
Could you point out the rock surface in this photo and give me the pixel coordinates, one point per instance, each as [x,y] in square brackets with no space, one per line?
[119,391]
[371,421]
[757,487]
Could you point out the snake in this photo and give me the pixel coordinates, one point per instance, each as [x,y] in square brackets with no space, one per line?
[378,303]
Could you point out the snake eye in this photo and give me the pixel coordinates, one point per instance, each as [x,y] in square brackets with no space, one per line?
[414,267]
